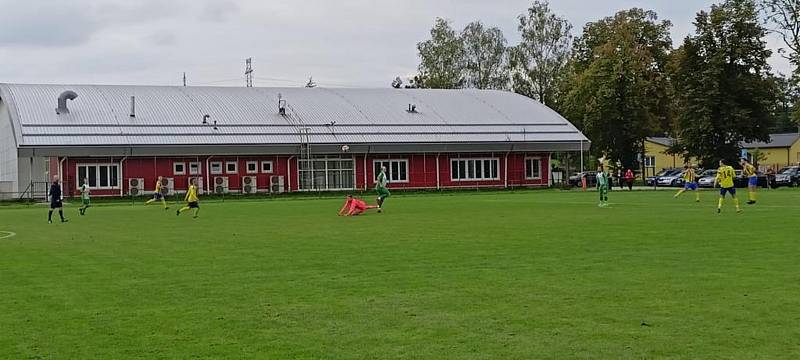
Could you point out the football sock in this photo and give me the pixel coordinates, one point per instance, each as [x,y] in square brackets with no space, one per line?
[61,214]
[50,215]
[736,201]
[721,201]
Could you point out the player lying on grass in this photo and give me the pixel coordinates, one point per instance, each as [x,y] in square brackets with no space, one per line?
[355,206]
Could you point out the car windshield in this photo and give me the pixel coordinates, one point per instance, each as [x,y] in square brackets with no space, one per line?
[787,171]
[709,173]
[663,173]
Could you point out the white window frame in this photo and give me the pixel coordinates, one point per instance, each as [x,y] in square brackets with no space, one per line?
[541,168]
[453,176]
[652,161]
[199,167]
[326,158]
[389,173]
[216,172]
[175,168]
[235,167]
[271,168]
[97,176]
[255,167]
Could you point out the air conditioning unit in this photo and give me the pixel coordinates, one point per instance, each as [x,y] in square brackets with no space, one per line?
[135,187]
[276,184]
[249,185]
[221,185]
[199,183]
[167,186]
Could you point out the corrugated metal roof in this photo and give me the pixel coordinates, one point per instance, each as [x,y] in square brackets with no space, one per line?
[173,116]
[776,141]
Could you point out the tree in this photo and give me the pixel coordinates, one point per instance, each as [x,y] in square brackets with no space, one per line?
[538,62]
[724,91]
[441,58]
[784,16]
[484,57]
[788,96]
[619,80]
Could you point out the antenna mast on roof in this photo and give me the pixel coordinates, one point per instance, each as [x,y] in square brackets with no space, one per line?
[248,72]
[184,78]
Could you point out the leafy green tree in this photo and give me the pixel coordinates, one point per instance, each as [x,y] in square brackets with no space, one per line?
[788,95]
[538,63]
[618,85]
[441,58]
[484,57]
[724,91]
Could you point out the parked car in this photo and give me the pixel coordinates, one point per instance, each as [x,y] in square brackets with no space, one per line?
[674,179]
[591,178]
[653,180]
[740,181]
[788,176]
[706,178]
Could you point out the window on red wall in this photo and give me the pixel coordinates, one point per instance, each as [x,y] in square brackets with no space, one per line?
[252,167]
[100,176]
[474,169]
[266,167]
[533,168]
[178,168]
[396,169]
[231,167]
[194,168]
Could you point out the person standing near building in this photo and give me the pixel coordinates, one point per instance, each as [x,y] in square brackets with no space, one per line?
[602,186]
[381,188]
[56,197]
[620,178]
[752,180]
[629,179]
[85,202]
[157,195]
[191,199]
[724,178]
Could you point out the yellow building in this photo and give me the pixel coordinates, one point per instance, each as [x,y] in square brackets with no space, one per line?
[780,151]
[656,157]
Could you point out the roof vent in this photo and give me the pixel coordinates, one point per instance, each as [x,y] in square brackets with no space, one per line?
[412,108]
[205,119]
[281,105]
[133,106]
[62,101]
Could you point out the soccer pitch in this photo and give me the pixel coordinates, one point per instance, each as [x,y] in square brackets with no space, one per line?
[527,275]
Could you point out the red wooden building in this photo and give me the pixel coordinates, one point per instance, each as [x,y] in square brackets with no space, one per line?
[252,140]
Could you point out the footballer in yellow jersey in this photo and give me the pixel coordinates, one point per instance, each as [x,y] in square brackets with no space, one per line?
[752,180]
[192,201]
[689,183]
[725,176]
[158,195]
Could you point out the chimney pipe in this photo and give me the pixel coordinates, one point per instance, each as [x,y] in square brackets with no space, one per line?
[62,101]
[133,106]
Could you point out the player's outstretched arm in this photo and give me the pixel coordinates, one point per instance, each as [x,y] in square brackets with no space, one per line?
[352,209]
[344,207]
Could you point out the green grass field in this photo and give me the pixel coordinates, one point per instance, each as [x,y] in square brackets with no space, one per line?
[529,275]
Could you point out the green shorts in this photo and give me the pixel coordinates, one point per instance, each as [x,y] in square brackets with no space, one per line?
[383,193]
[85,202]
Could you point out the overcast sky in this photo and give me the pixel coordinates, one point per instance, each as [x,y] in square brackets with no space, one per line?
[356,43]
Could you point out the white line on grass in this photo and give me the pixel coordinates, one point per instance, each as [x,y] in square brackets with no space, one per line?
[7,234]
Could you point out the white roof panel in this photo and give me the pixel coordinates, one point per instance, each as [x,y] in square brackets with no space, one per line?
[173,116]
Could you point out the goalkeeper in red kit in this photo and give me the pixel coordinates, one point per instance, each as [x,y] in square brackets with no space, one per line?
[354,207]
